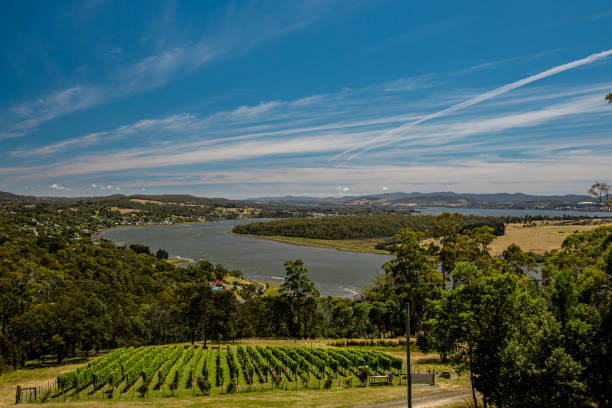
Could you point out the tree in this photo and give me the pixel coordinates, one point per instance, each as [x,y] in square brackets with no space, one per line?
[342,315]
[161,254]
[414,275]
[140,249]
[517,261]
[297,286]
[377,315]
[536,371]
[361,321]
[446,231]
[601,191]
[471,325]
[194,306]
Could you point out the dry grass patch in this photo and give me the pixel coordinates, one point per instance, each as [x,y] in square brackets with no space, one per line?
[538,239]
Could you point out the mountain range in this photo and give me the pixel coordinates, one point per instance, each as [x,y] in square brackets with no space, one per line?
[396,201]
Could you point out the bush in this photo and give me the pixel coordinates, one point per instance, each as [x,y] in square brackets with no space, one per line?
[424,343]
[142,390]
[110,392]
[363,373]
[203,385]
[140,249]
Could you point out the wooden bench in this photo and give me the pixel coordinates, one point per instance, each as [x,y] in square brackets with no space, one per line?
[379,380]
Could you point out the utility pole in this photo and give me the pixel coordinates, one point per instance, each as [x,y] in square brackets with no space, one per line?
[408,376]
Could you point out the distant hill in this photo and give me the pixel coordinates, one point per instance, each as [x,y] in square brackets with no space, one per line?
[4,196]
[397,201]
[163,198]
[444,199]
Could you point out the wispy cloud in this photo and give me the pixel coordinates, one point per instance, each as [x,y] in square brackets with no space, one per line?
[287,144]
[426,141]
[163,124]
[236,32]
[477,99]
[537,176]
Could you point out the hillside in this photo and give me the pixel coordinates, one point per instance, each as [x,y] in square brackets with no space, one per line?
[401,200]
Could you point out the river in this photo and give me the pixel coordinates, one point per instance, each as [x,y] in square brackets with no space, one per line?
[499,212]
[336,273]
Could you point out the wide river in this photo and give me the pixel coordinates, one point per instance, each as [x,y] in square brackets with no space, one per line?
[336,273]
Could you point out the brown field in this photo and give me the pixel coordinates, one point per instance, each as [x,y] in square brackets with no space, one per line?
[124,210]
[139,201]
[538,239]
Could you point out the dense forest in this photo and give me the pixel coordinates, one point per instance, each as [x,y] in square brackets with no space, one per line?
[359,226]
[527,339]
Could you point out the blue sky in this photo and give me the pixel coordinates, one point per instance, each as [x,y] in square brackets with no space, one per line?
[244,99]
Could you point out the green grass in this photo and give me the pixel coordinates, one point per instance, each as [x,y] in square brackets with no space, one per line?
[350,245]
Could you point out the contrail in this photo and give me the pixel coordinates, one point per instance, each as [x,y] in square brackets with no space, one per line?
[482,97]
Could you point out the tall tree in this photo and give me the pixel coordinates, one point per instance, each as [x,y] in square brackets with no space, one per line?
[414,274]
[517,261]
[445,229]
[601,191]
[509,342]
[298,286]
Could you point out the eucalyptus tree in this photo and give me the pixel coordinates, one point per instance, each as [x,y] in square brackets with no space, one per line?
[601,191]
[297,286]
[414,274]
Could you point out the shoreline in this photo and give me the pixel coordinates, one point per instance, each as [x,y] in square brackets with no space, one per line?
[176,261]
[100,231]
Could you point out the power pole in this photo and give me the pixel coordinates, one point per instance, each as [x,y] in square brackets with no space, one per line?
[408,376]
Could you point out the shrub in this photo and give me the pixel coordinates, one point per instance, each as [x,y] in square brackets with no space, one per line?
[110,392]
[142,390]
[424,343]
[363,372]
[203,385]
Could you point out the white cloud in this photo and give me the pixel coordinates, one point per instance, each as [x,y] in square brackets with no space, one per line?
[58,187]
[385,188]
[477,99]
[571,173]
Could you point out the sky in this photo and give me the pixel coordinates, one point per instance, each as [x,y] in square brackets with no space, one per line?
[319,98]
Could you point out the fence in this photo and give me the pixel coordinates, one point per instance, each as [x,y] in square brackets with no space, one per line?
[36,393]
[428,377]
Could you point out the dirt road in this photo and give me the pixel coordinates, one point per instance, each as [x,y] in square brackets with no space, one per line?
[428,399]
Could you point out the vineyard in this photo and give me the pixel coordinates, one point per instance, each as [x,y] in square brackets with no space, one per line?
[167,371]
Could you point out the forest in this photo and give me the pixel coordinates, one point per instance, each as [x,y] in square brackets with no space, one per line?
[359,226]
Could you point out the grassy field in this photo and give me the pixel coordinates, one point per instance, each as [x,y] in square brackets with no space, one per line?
[539,239]
[340,395]
[350,245]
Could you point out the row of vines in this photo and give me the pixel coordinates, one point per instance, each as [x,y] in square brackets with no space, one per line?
[167,371]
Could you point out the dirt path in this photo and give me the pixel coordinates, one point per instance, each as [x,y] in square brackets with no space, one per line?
[427,400]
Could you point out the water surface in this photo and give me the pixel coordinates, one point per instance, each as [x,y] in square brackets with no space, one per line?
[336,273]
[503,212]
